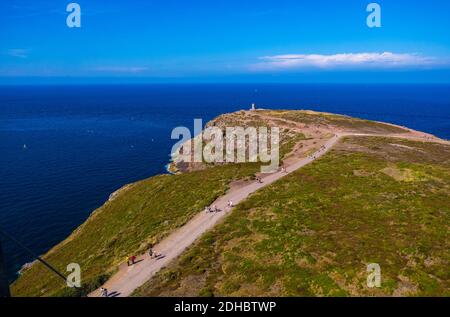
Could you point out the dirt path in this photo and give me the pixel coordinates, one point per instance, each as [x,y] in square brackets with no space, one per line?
[128,278]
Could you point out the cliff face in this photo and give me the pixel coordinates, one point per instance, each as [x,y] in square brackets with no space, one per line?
[145,212]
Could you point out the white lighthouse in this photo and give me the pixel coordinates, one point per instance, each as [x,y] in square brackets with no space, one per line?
[253,108]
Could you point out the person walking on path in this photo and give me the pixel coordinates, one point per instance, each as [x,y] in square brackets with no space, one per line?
[103,292]
[151,254]
[131,260]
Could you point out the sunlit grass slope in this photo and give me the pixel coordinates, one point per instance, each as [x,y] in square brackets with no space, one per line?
[139,215]
[312,233]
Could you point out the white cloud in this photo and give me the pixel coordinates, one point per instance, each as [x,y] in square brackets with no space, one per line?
[18,52]
[340,61]
[122,69]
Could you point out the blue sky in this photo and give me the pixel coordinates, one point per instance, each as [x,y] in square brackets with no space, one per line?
[224,41]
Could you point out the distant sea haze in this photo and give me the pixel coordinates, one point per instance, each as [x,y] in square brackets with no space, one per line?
[65,149]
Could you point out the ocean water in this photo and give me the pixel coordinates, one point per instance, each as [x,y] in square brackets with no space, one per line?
[65,149]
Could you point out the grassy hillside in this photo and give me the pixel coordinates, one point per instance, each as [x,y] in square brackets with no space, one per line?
[340,121]
[138,215]
[288,137]
[141,214]
[312,233]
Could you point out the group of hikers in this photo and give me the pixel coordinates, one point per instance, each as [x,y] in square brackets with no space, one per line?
[209,209]
[103,292]
[131,260]
[322,148]
[214,208]
[152,254]
[230,204]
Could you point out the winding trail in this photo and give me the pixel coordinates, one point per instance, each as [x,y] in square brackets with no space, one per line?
[129,278]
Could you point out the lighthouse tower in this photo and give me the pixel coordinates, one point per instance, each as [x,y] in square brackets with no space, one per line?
[253,108]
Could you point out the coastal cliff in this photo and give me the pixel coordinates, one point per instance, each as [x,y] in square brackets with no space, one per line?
[373,198]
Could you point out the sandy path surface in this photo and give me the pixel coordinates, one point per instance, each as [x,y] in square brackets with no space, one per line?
[129,278]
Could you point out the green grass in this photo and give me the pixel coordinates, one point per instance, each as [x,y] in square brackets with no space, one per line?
[350,123]
[288,144]
[287,138]
[140,215]
[313,232]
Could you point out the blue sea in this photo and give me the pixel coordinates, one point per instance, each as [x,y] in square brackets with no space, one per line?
[65,149]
